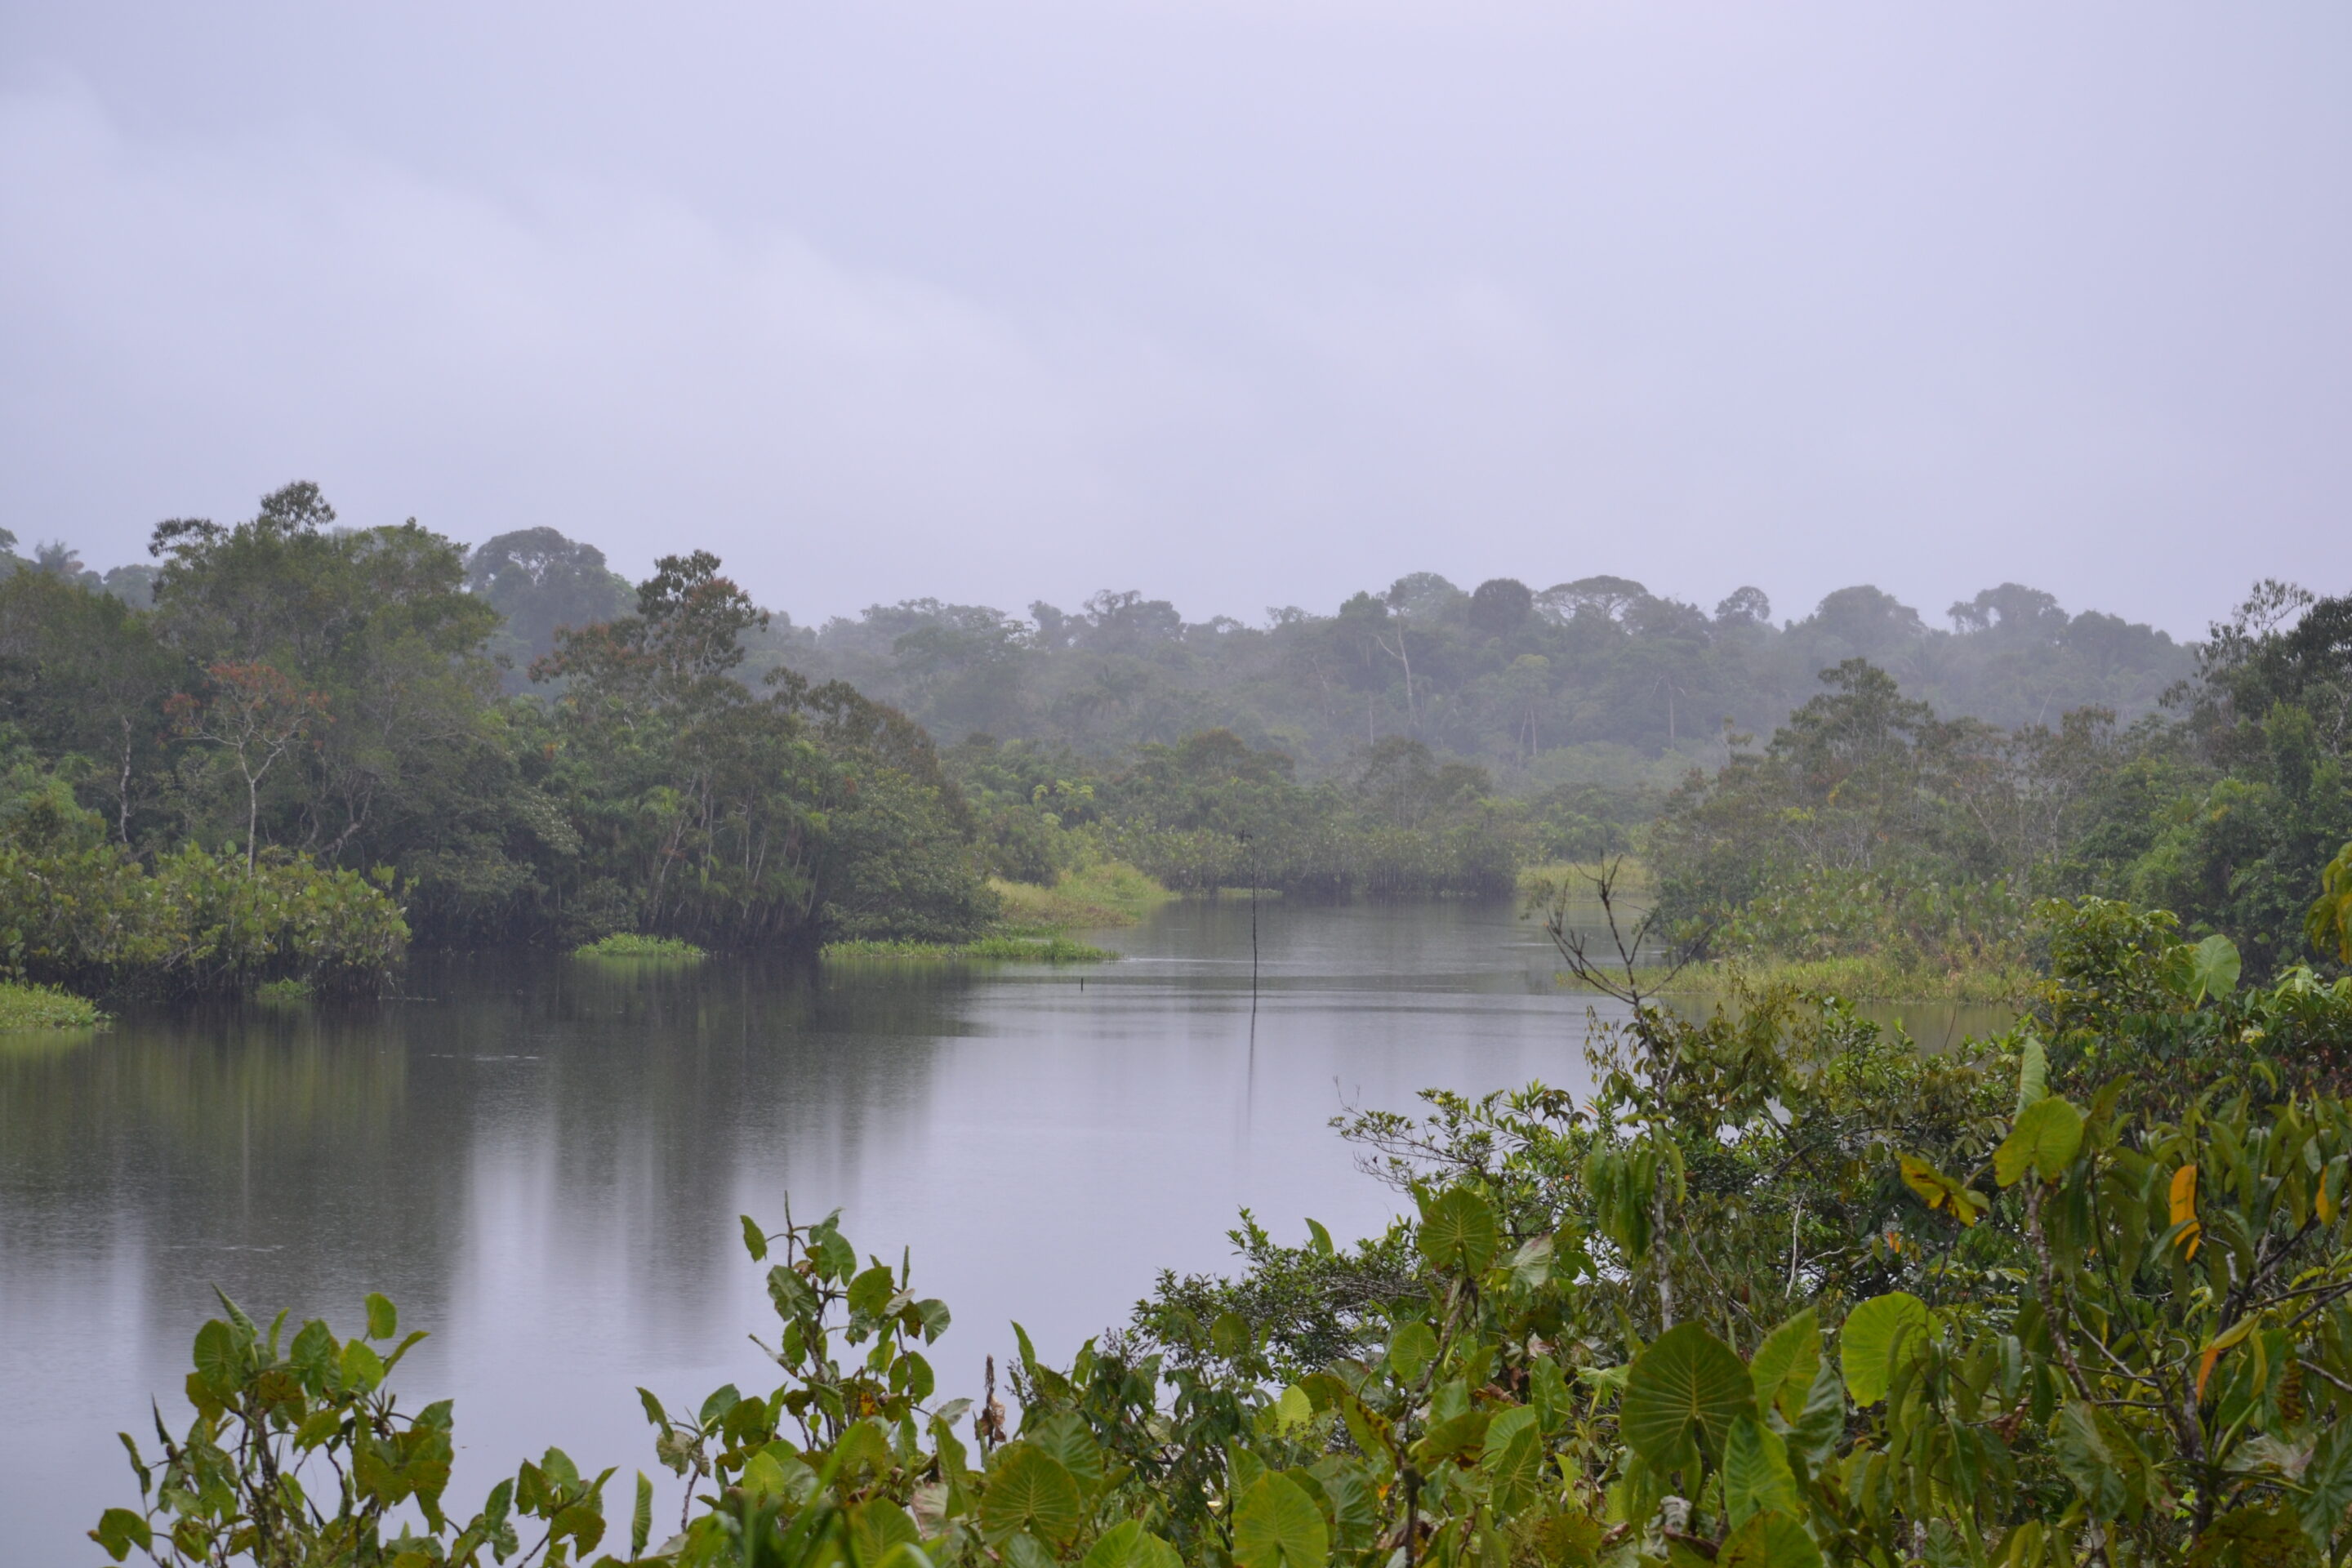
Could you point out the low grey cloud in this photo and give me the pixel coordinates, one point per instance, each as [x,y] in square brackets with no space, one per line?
[1241,305]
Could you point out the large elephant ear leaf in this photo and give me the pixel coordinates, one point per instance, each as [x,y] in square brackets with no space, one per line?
[1681,1396]
[1029,1489]
[1785,1364]
[1769,1540]
[2044,1140]
[1458,1231]
[1277,1525]
[1128,1544]
[1867,1343]
[2215,964]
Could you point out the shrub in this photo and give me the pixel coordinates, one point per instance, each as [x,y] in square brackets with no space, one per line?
[628,944]
[94,917]
[44,1007]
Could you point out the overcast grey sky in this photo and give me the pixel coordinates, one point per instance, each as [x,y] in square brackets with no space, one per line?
[1239,303]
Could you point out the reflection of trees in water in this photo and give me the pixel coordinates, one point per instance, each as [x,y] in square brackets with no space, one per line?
[299,1157]
[260,1150]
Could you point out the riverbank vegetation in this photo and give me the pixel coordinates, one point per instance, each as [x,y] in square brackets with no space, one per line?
[24,1007]
[1871,831]
[1781,1290]
[375,736]
[631,945]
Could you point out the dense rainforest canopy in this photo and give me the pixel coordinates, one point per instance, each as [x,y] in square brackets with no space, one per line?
[518,744]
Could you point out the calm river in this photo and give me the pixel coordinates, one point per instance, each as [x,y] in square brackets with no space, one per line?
[542,1161]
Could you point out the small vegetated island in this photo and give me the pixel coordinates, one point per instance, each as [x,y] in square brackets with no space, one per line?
[1784,1290]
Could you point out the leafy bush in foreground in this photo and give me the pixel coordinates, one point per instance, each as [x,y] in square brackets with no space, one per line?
[1785,1292]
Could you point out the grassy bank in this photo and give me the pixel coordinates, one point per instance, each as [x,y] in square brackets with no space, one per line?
[1541,885]
[1107,893]
[1006,949]
[627,944]
[1856,979]
[44,1007]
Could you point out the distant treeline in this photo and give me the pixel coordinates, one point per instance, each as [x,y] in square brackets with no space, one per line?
[1589,680]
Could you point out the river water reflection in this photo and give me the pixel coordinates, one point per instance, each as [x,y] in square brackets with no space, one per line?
[542,1160]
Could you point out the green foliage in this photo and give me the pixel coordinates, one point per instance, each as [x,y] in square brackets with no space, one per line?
[2114,1328]
[628,944]
[93,916]
[1592,669]
[300,1454]
[2329,924]
[24,1007]
[303,690]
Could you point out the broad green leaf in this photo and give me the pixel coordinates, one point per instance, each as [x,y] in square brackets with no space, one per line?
[878,1525]
[1547,1392]
[217,1357]
[1785,1363]
[1277,1525]
[793,1295]
[1756,1474]
[2215,964]
[864,1443]
[363,1368]
[1769,1540]
[383,1317]
[1687,1387]
[871,1291]
[1531,1264]
[1294,1409]
[118,1530]
[1513,1460]
[2107,1468]
[2032,1072]
[1453,1436]
[1819,1426]
[1030,1489]
[1025,1550]
[1871,1335]
[2045,1138]
[1128,1544]
[1410,1349]
[1458,1231]
[755,1240]
[1320,1238]
[1230,1336]
[2327,1480]
[641,1518]
[722,1400]
[1068,1438]
[836,1258]
[1506,1424]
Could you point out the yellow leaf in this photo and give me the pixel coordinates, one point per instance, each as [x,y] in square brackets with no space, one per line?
[1938,1190]
[2184,1213]
[2323,1200]
[2219,1343]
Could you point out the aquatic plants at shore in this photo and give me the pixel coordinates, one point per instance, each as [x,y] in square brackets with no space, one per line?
[630,944]
[26,1006]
